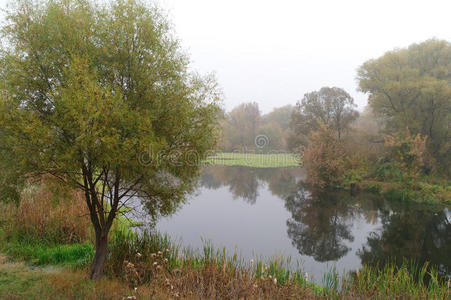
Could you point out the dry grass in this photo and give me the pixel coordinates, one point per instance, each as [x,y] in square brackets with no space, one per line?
[212,280]
[50,212]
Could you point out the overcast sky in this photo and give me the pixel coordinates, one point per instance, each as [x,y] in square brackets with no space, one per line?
[272,52]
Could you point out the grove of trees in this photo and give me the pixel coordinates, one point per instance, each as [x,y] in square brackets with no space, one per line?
[242,125]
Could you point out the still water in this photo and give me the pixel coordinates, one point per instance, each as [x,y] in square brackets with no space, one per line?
[271,212]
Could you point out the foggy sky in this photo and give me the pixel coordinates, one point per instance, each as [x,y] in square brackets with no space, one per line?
[273,52]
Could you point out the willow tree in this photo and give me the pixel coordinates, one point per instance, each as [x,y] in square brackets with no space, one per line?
[100,97]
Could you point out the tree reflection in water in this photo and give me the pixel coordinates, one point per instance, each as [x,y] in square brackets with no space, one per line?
[319,226]
[242,181]
[412,231]
[321,222]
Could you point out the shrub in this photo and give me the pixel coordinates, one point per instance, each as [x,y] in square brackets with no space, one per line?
[324,159]
[408,153]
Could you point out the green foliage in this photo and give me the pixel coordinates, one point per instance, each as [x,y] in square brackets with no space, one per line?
[410,88]
[387,171]
[351,177]
[101,98]
[330,107]
[408,153]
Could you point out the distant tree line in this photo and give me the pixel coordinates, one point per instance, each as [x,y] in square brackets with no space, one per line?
[245,123]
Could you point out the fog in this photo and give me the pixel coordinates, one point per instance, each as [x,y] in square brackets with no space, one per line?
[273,52]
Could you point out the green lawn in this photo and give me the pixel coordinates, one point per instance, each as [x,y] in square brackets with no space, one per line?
[254,160]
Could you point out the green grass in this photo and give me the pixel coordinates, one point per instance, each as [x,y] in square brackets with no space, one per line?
[254,160]
[404,282]
[19,282]
[75,255]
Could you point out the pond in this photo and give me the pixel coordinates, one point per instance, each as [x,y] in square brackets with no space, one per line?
[272,211]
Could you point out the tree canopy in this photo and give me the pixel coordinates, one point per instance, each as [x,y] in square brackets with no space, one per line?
[100,97]
[411,88]
[332,107]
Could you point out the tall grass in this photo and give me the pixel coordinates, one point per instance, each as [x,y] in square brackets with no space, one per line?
[206,273]
[406,281]
[47,213]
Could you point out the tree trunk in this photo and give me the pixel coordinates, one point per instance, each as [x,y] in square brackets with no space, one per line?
[100,256]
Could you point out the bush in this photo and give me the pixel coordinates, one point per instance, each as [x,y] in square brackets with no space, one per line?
[324,159]
[408,153]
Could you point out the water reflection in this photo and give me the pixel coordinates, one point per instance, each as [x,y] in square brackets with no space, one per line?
[418,233]
[315,227]
[243,182]
[320,224]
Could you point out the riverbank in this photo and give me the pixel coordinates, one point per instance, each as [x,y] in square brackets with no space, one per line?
[47,255]
[397,186]
[142,268]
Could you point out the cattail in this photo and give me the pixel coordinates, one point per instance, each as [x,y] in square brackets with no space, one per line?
[182,259]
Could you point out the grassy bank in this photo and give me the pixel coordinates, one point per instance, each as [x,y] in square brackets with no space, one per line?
[419,192]
[45,264]
[393,184]
[151,266]
[254,160]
